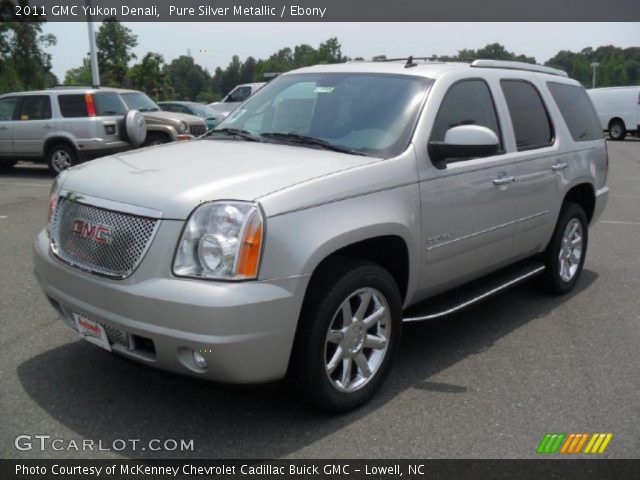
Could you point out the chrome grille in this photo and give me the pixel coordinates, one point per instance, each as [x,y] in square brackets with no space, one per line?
[197,129]
[116,254]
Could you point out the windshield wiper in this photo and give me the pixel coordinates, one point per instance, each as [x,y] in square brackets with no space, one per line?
[236,132]
[306,140]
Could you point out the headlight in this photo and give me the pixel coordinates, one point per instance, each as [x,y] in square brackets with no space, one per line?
[183,127]
[221,240]
[53,199]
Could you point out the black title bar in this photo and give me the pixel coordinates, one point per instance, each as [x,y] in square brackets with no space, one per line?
[330,10]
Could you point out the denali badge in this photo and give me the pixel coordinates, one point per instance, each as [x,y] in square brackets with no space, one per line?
[85,229]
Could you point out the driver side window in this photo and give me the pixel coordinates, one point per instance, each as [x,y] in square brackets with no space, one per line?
[468,102]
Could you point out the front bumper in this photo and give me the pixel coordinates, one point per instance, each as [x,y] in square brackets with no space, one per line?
[244,330]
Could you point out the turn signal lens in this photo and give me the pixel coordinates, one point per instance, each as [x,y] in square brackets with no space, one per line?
[250,248]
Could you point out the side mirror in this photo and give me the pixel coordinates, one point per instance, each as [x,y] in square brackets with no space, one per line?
[463,142]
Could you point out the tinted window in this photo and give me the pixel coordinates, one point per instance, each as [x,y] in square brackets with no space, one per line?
[577,111]
[7,107]
[72,106]
[529,116]
[35,107]
[109,104]
[466,103]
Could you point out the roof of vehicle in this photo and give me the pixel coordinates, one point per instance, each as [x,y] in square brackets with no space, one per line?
[74,89]
[426,68]
[181,102]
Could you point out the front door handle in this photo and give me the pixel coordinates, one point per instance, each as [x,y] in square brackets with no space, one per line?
[559,166]
[47,126]
[4,127]
[503,180]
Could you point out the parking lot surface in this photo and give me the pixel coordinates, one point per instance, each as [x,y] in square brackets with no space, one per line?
[487,382]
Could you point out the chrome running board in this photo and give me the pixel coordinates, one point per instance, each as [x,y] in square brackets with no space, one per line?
[444,305]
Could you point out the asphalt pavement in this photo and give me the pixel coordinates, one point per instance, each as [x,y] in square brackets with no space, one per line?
[488,382]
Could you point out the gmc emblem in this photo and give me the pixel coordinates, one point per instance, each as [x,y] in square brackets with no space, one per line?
[85,229]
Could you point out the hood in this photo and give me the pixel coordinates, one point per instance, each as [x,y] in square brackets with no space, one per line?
[224,107]
[163,117]
[174,178]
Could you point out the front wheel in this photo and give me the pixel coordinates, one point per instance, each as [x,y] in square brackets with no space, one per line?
[348,335]
[156,139]
[567,250]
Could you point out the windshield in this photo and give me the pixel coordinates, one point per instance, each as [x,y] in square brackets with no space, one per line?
[139,101]
[203,111]
[374,114]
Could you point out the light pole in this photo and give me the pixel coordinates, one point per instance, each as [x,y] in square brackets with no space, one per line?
[594,66]
[93,54]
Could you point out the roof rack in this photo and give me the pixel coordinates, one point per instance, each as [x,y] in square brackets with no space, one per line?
[531,67]
[62,87]
[480,63]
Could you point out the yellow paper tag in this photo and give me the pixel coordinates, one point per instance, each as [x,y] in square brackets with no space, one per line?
[24,117]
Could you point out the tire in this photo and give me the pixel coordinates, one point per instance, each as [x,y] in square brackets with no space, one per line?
[564,262]
[155,138]
[617,130]
[7,164]
[60,157]
[320,359]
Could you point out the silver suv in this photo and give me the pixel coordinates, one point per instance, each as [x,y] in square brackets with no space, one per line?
[64,126]
[335,204]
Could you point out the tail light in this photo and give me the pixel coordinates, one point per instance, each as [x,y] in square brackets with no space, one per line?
[91,107]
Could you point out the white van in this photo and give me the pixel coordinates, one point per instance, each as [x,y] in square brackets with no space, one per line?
[618,109]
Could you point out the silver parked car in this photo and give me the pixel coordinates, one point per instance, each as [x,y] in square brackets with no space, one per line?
[339,202]
[63,126]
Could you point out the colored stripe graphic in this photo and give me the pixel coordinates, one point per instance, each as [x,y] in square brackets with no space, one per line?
[550,442]
[574,443]
[598,443]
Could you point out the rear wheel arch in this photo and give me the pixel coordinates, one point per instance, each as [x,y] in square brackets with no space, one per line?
[53,141]
[584,195]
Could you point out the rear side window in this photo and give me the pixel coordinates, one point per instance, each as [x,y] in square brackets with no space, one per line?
[529,116]
[107,104]
[577,111]
[72,106]
[35,107]
[468,102]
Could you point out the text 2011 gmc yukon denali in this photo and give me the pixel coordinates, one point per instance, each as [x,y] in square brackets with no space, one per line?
[334,204]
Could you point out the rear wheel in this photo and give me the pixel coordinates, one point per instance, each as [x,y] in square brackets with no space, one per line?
[617,130]
[60,157]
[567,250]
[348,335]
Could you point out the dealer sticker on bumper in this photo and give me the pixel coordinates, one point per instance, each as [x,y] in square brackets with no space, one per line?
[92,331]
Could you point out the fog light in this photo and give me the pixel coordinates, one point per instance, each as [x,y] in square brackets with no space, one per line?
[199,360]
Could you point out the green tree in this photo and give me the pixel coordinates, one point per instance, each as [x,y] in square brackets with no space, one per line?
[80,75]
[24,62]
[493,51]
[187,78]
[150,77]
[114,43]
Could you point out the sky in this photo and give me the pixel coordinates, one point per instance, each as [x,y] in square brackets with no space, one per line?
[213,44]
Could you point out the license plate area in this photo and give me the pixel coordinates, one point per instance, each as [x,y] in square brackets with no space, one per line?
[91,331]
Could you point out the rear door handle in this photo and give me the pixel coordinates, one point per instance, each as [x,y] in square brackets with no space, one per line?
[4,127]
[503,180]
[559,166]
[47,127]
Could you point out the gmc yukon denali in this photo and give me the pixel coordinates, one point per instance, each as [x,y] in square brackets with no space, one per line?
[338,202]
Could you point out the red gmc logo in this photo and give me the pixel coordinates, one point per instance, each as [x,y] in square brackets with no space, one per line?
[85,229]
